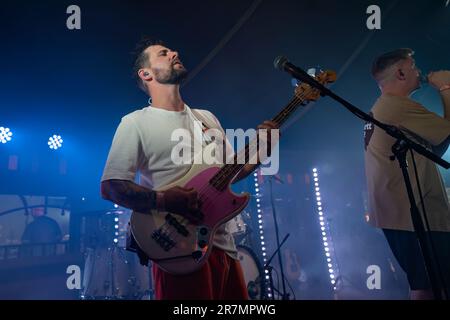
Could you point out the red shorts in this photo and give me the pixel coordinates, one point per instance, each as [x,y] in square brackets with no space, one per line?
[220,278]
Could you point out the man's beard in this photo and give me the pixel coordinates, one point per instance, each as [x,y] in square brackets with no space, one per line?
[172,76]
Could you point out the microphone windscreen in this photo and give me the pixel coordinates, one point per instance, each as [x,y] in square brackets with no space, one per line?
[279,62]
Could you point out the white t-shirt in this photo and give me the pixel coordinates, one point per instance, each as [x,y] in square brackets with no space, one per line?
[142,145]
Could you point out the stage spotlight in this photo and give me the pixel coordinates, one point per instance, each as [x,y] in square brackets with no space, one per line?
[5,135]
[55,142]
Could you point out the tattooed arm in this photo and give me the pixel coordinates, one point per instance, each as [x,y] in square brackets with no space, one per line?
[133,196]
[129,195]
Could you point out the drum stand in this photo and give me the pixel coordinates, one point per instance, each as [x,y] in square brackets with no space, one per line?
[149,292]
[267,266]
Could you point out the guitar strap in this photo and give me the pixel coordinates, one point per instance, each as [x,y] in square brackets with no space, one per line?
[199,117]
[208,123]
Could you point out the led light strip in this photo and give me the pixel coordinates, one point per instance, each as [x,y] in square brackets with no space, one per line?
[324,227]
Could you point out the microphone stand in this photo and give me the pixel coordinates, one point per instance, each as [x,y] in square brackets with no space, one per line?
[402,145]
[285,295]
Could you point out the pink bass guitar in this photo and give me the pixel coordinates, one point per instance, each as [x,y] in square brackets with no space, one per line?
[180,247]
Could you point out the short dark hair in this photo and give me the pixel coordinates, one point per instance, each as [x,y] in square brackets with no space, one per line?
[388,59]
[141,57]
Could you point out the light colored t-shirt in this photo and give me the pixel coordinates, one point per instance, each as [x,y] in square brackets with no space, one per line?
[142,146]
[389,206]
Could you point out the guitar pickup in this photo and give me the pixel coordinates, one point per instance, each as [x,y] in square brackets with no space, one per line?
[181,229]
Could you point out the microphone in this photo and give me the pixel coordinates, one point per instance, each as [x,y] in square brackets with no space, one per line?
[279,62]
[283,64]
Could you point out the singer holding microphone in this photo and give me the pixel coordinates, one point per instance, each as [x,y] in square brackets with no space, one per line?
[398,77]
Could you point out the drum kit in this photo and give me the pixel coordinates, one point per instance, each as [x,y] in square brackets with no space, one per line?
[253,273]
[250,263]
[110,271]
[113,273]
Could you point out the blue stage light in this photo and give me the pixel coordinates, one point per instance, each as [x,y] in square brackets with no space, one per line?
[5,135]
[55,142]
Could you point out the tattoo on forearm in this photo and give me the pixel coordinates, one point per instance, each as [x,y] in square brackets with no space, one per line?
[128,194]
